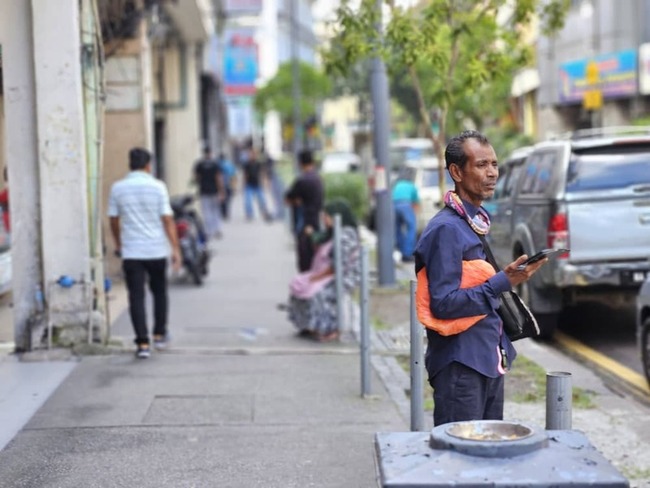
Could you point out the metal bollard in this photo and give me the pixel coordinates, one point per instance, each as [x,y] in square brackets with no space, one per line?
[365,324]
[559,399]
[417,376]
[338,271]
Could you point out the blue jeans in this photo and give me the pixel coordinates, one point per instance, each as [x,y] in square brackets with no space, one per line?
[251,192]
[405,231]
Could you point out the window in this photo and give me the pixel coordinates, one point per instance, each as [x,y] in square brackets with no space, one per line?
[538,174]
[514,176]
[608,171]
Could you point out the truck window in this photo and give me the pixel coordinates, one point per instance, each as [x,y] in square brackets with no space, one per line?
[608,171]
[513,178]
[538,174]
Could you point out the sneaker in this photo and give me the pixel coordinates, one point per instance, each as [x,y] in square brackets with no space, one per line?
[143,351]
[160,342]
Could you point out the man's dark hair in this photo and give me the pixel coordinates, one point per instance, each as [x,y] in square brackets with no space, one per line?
[305,157]
[206,149]
[455,153]
[139,158]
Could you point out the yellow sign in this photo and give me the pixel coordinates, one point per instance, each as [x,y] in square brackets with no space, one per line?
[593,100]
[593,97]
[593,73]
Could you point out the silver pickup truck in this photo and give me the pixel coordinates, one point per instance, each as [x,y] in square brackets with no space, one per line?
[589,193]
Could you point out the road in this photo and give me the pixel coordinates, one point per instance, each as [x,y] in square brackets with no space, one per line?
[606,330]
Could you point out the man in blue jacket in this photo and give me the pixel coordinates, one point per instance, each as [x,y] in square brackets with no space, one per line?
[466,369]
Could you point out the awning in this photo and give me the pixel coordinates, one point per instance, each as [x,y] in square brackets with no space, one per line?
[524,82]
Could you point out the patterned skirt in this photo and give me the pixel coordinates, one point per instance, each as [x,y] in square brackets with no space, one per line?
[316,314]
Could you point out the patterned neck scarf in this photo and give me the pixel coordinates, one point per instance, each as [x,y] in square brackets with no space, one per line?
[481,221]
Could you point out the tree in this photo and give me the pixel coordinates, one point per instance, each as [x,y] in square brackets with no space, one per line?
[276,95]
[466,50]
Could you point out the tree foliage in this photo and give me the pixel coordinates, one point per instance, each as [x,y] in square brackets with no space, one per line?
[459,55]
[277,94]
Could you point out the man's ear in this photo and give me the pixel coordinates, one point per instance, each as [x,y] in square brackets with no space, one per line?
[454,171]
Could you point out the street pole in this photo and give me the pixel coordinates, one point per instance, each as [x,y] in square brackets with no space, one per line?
[295,83]
[384,218]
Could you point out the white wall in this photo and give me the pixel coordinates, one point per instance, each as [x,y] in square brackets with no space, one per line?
[183,145]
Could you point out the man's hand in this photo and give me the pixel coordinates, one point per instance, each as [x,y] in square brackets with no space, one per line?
[176,260]
[518,276]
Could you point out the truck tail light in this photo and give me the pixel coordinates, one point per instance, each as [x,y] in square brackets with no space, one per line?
[558,232]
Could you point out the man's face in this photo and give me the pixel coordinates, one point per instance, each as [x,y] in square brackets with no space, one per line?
[478,178]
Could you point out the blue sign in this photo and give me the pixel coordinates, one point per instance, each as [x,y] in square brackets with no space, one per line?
[617,74]
[240,63]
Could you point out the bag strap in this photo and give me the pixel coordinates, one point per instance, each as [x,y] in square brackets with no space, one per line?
[488,253]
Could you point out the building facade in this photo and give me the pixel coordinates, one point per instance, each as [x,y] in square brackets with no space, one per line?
[594,72]
[68,122]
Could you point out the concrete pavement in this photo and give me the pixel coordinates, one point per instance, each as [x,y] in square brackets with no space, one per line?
[237,401]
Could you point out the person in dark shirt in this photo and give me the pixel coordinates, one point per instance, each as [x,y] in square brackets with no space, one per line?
[207,174]
[466,362]
[253,170]
[305,196]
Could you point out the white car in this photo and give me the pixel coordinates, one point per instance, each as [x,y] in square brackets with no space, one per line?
[340,162]
[425,176]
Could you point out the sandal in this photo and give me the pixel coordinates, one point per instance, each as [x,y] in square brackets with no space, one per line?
[332,336]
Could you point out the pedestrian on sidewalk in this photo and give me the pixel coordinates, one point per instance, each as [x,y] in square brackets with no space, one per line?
[254,181]
[467,351]
[312,298]
[305,196]
[406,201]
[208,176]
[142,225]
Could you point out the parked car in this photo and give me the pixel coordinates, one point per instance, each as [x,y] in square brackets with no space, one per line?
[5,258]
[340,162]
[409,150]
[425,177]
[589,193]
[643,326]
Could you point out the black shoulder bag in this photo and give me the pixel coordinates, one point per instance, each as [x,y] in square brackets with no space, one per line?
[518,321]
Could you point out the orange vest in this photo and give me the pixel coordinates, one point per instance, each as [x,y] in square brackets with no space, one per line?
[475,272]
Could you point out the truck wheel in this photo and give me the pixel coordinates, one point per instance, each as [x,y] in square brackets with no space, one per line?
[547,324]
[645,348]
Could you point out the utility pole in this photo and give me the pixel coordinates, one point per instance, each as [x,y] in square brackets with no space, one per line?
[384,215]
[295,81]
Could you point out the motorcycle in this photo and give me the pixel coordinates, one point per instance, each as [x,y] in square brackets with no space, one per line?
[191,238]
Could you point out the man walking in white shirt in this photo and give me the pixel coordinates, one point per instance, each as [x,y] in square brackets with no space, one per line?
[142,225]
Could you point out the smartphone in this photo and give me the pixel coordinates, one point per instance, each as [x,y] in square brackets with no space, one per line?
[546,253]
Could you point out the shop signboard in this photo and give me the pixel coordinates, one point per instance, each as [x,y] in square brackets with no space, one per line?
[240,62]
[617,77]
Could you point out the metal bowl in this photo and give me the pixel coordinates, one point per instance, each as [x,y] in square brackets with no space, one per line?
[488,438]
[489,430]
